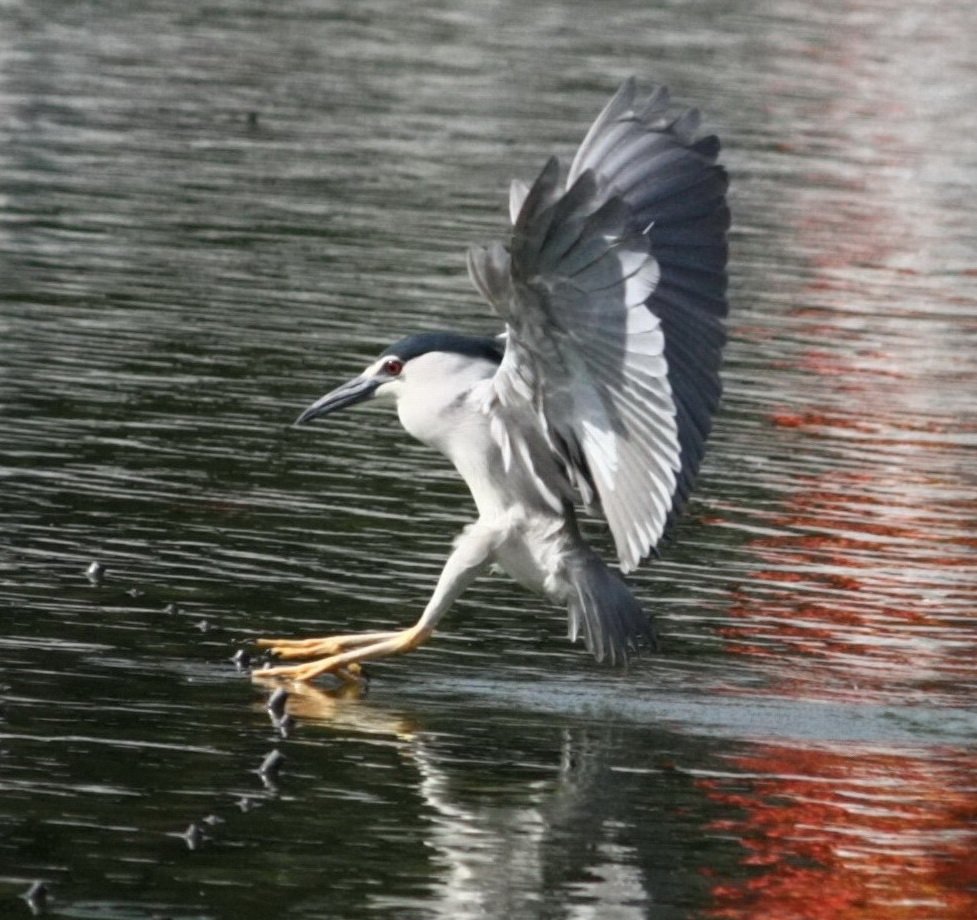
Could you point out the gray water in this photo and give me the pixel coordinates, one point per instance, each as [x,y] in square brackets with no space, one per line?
[211,213]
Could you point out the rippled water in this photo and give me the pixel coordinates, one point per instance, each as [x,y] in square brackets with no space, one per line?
[212,213]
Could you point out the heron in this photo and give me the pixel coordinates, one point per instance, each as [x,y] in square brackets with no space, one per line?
[598,395]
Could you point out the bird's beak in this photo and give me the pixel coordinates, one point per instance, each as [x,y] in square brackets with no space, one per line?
[357,390]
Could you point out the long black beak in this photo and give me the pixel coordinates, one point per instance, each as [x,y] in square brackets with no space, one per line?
[357,390]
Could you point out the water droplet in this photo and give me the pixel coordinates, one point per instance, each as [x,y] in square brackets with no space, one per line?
[193,836]
[36,897]
[272,763]
[95,573]
[276,703]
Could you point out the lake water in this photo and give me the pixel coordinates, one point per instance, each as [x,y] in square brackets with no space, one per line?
[211,213]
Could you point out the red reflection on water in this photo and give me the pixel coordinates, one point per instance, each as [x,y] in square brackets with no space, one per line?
[869,585]
[859,834]
[865,591]
[864,580]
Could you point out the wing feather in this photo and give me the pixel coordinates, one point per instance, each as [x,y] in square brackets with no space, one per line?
[613,292]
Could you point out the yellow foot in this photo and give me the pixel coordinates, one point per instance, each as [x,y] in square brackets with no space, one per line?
[342,653]
[321,647]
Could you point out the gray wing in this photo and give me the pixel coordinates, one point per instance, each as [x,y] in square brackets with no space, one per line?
[613,293]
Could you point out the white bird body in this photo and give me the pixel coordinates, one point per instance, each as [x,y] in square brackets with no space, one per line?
[525,536]
[601,392]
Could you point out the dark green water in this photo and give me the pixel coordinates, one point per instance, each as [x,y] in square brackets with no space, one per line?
[212,213]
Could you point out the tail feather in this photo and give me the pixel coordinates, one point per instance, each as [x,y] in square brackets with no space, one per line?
[602,609]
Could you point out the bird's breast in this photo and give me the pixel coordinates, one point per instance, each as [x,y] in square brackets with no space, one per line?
[504,460]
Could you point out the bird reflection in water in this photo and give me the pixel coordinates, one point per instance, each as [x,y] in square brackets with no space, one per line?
[560,817]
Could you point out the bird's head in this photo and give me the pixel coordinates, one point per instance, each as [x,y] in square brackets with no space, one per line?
[414,361]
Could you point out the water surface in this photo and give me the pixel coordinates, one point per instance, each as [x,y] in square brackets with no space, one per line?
[212,213]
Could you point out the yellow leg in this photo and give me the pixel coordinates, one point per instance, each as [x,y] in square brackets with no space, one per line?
[345,665]
[342,654]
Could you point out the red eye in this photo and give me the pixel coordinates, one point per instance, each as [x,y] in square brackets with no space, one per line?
[393,366]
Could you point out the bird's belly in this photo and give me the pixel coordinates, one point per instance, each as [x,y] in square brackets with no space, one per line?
[532,553]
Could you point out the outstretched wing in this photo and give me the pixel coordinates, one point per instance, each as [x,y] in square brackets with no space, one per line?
[613,293]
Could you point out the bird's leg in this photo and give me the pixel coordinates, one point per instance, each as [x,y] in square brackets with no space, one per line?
[343,654]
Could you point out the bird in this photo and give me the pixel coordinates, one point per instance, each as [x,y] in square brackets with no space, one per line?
[599,394]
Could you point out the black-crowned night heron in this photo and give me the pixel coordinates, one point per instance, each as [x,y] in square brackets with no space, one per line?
[602,389]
